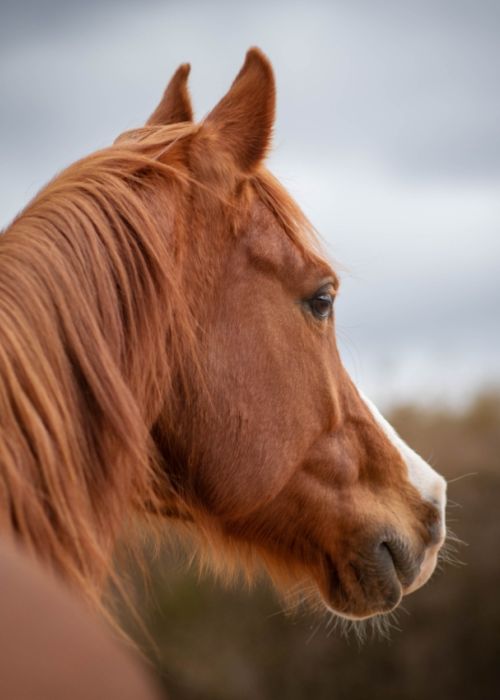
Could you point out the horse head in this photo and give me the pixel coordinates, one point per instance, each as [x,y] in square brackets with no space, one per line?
[267,447]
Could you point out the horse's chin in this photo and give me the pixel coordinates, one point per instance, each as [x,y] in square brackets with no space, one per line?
[361,610]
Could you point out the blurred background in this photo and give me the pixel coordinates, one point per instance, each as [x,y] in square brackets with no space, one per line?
[388,135]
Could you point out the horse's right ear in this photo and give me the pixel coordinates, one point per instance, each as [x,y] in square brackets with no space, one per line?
[242,122]
[175,105]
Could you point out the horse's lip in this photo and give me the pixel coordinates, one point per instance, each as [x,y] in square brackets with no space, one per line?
[426,569]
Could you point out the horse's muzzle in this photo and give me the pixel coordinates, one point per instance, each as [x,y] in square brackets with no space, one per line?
[387,568]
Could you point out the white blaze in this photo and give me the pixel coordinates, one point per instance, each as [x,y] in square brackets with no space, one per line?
[430,484]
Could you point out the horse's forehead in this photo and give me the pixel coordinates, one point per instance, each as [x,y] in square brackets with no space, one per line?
[271,247]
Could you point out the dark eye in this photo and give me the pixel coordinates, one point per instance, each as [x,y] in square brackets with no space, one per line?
[321,305]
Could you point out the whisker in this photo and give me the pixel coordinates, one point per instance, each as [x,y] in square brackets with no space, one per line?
[462,476]
[314,632]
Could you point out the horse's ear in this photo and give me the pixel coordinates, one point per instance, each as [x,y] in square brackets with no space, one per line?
[175,105]
[242,121]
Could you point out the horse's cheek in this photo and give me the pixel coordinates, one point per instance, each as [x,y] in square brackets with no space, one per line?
[248,464]
[255,444]
[263,411]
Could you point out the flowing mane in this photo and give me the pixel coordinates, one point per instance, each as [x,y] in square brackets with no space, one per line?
[82,271]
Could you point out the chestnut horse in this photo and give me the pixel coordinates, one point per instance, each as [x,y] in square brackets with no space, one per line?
[167,348]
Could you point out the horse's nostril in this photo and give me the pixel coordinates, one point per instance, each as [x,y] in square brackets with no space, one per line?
[434,524]
[395,553]
[435,530]
[386,558]
[384,555]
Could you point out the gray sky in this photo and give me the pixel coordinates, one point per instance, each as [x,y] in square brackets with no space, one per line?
[388,134]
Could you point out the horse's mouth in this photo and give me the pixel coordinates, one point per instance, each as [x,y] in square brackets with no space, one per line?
[363,587]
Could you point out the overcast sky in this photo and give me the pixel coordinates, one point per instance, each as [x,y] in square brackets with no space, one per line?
[388,134]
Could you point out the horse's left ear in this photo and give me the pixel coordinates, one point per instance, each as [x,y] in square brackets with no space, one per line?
[242,121]
[175,105]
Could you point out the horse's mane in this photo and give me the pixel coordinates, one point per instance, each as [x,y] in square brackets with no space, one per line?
[88,293]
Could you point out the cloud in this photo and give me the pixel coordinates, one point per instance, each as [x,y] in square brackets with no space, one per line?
[387,132]
[412,84]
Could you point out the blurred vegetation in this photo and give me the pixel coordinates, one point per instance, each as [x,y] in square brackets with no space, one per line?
[215,644]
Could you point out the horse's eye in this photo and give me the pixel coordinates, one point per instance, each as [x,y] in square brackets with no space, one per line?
[321,305]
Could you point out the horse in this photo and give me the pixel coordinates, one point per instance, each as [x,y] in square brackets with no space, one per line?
[168,352]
